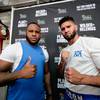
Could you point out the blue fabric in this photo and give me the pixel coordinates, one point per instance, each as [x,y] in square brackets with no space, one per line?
[69,95]
[33,88]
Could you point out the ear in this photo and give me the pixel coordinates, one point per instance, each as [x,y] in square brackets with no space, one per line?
[76,27]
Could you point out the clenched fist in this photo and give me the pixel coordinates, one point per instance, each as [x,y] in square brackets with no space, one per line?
[73,76]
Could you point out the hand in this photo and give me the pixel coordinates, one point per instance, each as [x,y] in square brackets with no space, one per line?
[73,76]
[28,70]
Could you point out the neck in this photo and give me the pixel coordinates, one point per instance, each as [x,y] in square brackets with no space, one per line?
[73,40]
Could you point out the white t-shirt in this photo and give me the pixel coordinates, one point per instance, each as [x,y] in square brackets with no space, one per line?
[13,53]
[84,56]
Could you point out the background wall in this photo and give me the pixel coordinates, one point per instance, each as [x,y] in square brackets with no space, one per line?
[85,12]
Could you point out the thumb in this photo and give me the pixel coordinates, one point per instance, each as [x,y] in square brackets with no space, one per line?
[69,70]
[28,61]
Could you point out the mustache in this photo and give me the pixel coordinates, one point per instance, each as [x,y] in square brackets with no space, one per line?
[68,38]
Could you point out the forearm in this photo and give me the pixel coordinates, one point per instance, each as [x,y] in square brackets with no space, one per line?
[6,77]
[61,67]
[48,83]
[90,80]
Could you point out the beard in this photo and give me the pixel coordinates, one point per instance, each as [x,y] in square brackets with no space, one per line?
[32,43]
[68,38]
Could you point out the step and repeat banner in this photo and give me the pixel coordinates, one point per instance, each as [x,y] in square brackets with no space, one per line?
[85,12]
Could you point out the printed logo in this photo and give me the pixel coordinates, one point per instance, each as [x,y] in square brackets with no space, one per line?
[56,59]
[42,41]
[21,39]
[42,12]
[21,32]
[60,83]
[23,16]
[22,23]
[87,27]
[44,30]
[86,17]
[78,53]
[62,11]
[41,22]
[61,39]
[56,20]
[86,7]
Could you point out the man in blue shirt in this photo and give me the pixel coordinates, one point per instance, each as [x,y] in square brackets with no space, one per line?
[27,64]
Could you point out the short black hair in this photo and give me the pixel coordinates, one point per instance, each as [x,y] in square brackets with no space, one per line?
[66,18]
[33,23]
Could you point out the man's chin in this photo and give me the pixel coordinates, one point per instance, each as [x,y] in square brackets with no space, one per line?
[68,38]
[33,42]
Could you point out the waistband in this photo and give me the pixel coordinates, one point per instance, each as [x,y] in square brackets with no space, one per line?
[70,95]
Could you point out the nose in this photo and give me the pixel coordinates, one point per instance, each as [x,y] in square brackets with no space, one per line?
[33,33]
[66,30]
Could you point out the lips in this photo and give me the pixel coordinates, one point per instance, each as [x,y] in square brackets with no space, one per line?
[33,39]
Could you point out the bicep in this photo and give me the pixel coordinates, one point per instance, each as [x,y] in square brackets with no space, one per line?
[5,65]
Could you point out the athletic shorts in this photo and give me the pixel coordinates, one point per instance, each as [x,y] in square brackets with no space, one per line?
[69,95]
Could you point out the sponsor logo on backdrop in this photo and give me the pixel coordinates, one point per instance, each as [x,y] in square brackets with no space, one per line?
[23,16]
[59,30]
[56,60]
[56,19]
[42,41]
[62,11]
[60,47]
[41,22]
[87,27]
[60,83]
[61,39]
[86,17]
[86,7]
[22,23]
[45,30]
[39,13]
[21,39]
[21,32]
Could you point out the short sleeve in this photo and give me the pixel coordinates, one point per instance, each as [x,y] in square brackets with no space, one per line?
[9,53]
[45,53]
[94,50]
